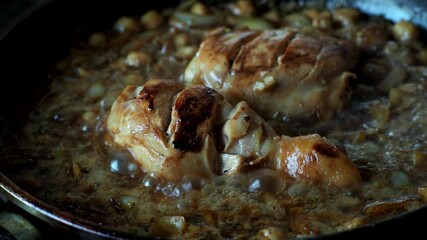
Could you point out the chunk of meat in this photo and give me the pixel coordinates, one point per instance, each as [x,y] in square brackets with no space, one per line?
[175,132]
[312,157]
[247,140]
[140,120]
[250,142]
[280,73]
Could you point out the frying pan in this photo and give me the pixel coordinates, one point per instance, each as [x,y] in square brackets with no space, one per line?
[34,39]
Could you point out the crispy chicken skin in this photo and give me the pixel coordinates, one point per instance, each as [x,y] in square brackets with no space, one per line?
[312,157]
[280,73]
[167,137]
[194,132]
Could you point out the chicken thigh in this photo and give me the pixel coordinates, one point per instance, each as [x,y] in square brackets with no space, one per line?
[166,128]
[280,73]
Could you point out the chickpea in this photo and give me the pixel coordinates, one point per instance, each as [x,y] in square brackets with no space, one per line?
[319,19]
[199,9]
[243,8]
[346,16]
[136,59]
[405,32]
[270,233]
[322,22]
[186,52]
[87,116]
[125,24]
[181,40]
[151,19]
[96,91]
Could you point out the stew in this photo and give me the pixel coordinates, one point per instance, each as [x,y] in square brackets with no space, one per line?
[355,81]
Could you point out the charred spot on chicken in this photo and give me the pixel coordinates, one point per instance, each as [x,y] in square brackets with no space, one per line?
[193,107]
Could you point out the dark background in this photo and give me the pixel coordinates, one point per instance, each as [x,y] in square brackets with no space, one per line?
[10,10]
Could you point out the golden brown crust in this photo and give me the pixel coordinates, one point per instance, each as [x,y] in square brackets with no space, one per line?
[281,73]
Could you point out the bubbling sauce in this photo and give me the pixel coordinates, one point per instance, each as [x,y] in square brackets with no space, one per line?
[68,159]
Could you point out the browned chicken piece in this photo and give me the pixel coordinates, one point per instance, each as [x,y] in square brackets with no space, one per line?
[140,120]
[250,141]
[175,132]
[312,157]
[280,73]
